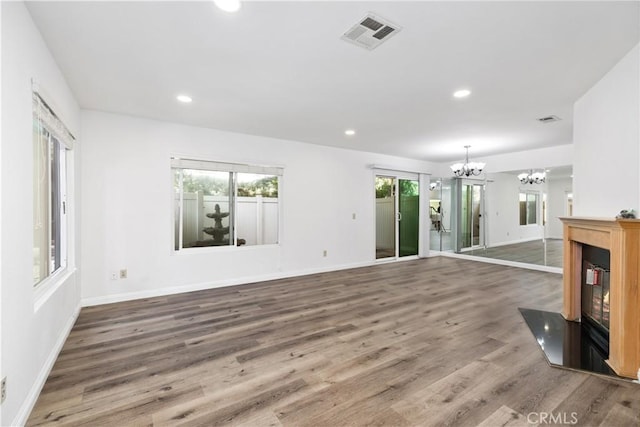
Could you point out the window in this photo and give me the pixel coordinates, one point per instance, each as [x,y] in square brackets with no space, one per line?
[224,204]
[528,208]
[51,141]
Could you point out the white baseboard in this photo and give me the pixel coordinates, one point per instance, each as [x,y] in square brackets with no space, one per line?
[128,296]
[433,253]
[30,401]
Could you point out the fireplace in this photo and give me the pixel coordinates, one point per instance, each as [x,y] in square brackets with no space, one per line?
[595,295]
[604,293]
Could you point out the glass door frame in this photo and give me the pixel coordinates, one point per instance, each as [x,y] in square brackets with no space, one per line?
[461,182]
[408,217]
[383,228]
[444,189]
[397,176]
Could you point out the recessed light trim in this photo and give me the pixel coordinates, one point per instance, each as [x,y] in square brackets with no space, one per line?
[186,99]
[349,132]
[462,93]
[228,5]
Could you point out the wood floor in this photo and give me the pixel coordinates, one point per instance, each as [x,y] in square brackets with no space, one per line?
[430,342]
[540,252]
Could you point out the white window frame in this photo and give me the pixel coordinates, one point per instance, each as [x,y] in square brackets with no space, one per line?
[178,163]
[57,137]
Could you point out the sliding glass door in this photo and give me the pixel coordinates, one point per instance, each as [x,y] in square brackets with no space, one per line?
[397,216]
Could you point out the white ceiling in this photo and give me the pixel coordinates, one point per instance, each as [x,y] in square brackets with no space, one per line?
[279,69]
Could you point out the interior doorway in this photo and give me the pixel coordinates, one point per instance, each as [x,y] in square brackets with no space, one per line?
[397,215]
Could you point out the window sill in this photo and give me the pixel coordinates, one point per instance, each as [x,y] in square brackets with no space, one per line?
[46,288]
[216,249]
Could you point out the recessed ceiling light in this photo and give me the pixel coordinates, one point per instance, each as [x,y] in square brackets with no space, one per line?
[462,93]
[228,5]
[349,132]
[184,98]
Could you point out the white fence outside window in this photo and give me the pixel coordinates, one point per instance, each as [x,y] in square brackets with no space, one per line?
[385,223]
[257,217]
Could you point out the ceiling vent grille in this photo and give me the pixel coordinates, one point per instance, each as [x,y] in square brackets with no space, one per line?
[549,119]
[371,32]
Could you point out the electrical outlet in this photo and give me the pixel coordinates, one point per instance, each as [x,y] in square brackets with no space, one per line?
[4,389]
[114,275]
[353,216]
[123,273]
[324,253]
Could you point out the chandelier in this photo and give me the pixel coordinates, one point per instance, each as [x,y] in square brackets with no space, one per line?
[532,177]
[468,168]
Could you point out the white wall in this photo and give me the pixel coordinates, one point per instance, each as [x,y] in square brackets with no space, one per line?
[557,190]
[607,142]
[127,207]
[1,204]
[502,210]
[31,334]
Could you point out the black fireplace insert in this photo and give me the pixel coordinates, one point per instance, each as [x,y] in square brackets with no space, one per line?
[595,283]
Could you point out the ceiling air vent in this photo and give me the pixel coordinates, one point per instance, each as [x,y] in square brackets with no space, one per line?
[549,119]
[371,32]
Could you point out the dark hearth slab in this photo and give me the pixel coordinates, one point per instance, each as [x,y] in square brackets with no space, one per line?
[566,344]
